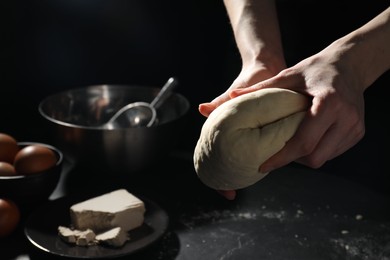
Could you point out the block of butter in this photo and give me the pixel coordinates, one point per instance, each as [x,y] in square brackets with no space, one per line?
[118,208]
[115,237]
[80,238]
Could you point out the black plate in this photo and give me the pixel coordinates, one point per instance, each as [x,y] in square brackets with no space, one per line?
[42,231]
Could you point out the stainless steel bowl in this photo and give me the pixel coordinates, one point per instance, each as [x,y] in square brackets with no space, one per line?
[75,117]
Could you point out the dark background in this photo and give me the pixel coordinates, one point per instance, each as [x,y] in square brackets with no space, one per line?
[53,45]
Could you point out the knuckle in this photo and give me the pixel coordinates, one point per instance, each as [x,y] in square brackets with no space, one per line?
[306,148]
[313,161]
[360,130]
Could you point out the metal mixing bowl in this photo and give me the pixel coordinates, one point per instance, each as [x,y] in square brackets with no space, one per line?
[75,117]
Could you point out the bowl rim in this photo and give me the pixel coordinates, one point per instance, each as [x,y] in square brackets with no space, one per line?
[98,128]
[58,152]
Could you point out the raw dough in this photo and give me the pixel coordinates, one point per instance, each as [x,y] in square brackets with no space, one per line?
[242,133]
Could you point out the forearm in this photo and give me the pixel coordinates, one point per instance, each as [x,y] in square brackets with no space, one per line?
[366,50]
[256,31]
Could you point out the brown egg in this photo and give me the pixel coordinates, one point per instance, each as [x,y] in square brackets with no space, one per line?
[9,217]
[8,148]
[34,158]
[7,169]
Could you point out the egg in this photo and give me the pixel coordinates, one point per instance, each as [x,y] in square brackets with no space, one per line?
[7,169]
[33,159]
[8,148]
[9,217]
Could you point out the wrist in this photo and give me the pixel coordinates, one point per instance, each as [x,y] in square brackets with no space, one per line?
[267,60]
[345,54]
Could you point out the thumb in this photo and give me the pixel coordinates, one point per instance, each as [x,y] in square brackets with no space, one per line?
[206,108]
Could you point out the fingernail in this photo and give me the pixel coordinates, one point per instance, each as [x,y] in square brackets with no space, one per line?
[201,105]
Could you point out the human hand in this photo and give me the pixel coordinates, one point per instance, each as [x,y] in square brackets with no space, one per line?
[334,122]
[246,78]
[334,79]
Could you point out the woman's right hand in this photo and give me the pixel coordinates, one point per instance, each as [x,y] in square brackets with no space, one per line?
[248,76]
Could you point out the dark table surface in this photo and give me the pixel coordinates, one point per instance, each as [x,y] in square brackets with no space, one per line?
[293,213]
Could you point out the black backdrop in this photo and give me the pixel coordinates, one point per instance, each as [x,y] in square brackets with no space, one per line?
[52,45]
[61,44]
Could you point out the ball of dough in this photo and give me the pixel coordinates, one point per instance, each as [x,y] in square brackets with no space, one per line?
[244,132]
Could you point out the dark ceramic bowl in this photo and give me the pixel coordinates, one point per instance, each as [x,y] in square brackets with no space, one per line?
[31,190]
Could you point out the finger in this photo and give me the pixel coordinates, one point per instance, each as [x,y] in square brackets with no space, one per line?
[228,194]
[328,139]
[279,81]
[335,142]
[301,144]
[206,108]
[241,91]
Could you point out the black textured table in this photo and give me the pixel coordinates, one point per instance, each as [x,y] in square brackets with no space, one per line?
[293,213]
